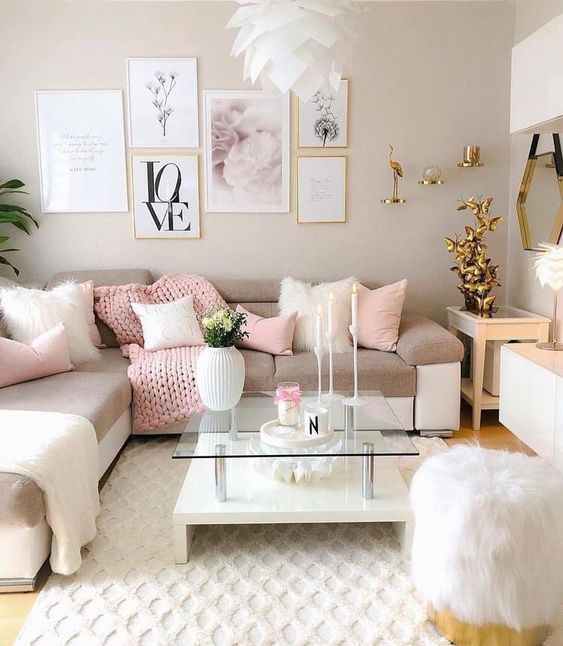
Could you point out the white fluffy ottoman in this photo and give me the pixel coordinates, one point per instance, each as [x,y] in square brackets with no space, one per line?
[488,544]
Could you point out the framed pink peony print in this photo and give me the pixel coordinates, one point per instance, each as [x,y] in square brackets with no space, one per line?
[247,152]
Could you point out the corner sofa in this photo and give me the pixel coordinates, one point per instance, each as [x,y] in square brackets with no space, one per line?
[421,381]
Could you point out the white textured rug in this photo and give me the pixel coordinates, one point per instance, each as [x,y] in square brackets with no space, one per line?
[267,584]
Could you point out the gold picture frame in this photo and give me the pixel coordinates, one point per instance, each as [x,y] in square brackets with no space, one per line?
[301,143]
[152,153]
[319,159]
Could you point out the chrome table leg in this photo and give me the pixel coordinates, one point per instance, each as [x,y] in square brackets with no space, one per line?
[220,473]
[368,470]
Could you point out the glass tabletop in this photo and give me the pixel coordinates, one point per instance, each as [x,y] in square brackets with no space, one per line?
[370,429]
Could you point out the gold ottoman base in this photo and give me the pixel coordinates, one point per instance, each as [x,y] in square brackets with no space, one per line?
[464,634]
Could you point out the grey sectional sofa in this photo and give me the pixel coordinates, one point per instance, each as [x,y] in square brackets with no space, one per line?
[421,381]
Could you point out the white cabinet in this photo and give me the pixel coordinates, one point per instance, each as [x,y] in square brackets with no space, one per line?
[536,102]
[531,398]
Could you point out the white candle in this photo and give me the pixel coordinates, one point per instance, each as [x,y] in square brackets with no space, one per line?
[319,328]
[354,304]
[330,315]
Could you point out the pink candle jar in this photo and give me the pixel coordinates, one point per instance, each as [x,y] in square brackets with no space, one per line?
[288,397]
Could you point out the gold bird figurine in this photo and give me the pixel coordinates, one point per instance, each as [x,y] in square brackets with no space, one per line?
[395,166]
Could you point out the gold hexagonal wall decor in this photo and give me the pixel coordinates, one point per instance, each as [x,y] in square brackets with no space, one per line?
[540,200]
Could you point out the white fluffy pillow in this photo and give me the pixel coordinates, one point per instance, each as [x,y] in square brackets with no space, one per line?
[304,298]
[28,313]
[169,325]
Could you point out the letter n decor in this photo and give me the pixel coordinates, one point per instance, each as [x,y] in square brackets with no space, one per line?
[165,196]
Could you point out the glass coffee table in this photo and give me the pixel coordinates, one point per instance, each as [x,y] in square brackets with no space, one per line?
[236,478]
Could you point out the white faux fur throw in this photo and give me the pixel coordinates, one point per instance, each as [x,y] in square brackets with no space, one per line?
[60,453]
[488,542]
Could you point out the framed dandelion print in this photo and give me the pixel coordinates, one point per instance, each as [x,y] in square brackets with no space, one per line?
[321,189]
[323,120]
[247,152]
[165,196]
[163,107]
[81,151]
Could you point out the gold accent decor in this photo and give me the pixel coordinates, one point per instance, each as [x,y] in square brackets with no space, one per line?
[471,157]
[540,203]
[397,172]
[477,273]
[428,182]
[463,634]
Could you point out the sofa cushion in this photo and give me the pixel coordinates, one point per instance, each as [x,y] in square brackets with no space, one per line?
[377,370]
[112,361]
[422,341]
[102,277]
[259,370]
[21,501]
[100,397]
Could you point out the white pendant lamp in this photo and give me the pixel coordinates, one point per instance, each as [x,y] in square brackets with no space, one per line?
[298,45]
[549,271]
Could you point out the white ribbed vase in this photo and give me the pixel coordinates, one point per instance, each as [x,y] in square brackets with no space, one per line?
[220,377]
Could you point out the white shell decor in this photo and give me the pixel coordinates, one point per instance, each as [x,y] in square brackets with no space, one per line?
[296,470]
[220,377]
[298,45]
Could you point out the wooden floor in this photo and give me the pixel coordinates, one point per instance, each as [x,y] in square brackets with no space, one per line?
[14,608]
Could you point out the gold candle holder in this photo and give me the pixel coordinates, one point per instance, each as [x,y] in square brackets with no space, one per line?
[471,157]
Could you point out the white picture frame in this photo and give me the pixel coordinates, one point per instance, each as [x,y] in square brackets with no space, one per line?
[81,145]
[324,115]
[165,195]
[321,189]
[163,103]
[238,126]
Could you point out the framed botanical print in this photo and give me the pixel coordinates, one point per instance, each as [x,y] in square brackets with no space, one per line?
[247,152]
[323,120]
[81,151]
[165,196]
[163,104]
[321,189]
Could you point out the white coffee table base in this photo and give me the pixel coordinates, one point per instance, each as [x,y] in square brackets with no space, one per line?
[255,499]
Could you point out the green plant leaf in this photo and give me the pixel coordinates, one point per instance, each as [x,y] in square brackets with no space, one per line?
[4,239]
[12,183]
[10,192]
[4,261]
[20,209]
[15,218]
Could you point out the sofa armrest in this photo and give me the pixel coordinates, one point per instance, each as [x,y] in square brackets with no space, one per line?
[422,341]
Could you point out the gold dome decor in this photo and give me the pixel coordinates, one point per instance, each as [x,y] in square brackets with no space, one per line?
[477,273]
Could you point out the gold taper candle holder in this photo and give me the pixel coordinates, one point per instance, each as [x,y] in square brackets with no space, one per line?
[471,157]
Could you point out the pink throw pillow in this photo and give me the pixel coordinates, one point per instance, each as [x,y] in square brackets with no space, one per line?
[47,355]
[273,335]
[379,315]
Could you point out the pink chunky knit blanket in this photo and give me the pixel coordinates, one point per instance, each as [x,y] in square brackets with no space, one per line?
[163,382]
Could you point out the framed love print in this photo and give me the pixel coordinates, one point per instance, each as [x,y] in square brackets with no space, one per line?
[323,120]
[163,106]
[321,189]
[247,152]
[165,196]
[81,151]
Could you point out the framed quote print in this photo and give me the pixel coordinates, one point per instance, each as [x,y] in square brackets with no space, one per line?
[165,196]
[163,107]
[247,152]
[323,120]
[81,151]
[321,189]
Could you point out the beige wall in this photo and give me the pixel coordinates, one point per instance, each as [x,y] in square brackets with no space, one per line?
[415,83]
[523,290]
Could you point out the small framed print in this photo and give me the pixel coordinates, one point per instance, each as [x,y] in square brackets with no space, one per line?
[321,189]
[323,120]
[163,105]
[165,196]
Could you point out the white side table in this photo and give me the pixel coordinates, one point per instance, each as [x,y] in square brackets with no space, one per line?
[507,324]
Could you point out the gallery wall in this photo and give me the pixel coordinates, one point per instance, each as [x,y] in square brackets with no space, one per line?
[523,289]
[428,77]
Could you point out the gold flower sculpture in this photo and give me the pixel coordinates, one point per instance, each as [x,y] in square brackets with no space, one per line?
[477,273]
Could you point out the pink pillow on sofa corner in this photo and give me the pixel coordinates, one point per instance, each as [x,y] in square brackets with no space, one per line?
[379,315]
[48,354]
[272,335]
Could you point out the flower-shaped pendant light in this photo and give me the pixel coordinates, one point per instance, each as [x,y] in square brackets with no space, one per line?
[298,45]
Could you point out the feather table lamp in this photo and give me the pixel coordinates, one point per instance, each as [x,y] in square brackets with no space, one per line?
[549,271]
